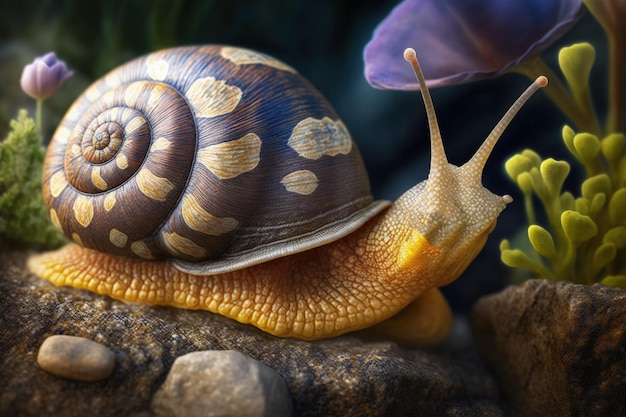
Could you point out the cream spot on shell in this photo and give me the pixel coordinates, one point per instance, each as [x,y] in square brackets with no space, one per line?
[314,138]
[156,93]
[118,238]
[93,93]
[109,201]
[112,114]
[108,99]
[112,79]
[241,56]
[54,218]
[121,161]
[202,221]
[126,113]
[301,182]
[77,239]
[83,210]
[152,186]
[210,97]
[75,149]
[134,124]
[132,93]
[58,182]
[157,68]
[140,249]
[229,159]
[160,144]
[179,245]
[62,135]
[97,179]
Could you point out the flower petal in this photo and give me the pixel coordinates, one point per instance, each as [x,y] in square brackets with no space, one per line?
[463,40]
[44,76]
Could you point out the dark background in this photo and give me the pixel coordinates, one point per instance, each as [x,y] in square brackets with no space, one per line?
[324,41]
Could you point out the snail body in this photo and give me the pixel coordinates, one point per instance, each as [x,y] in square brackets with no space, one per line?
[218,178]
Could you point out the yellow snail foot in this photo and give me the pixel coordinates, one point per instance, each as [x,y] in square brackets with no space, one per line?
[425,322]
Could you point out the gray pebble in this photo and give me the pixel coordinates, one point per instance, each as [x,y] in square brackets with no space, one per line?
[76,358]
[222,383]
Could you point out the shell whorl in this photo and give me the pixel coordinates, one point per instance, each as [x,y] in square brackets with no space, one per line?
[199,152]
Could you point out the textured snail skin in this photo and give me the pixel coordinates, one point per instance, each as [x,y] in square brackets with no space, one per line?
[382,277]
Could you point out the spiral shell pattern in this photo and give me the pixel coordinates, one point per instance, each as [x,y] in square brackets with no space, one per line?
[203,153]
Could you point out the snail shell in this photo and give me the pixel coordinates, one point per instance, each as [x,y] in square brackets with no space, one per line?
[216,156]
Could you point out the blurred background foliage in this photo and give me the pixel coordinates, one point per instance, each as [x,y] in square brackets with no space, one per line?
[324,40]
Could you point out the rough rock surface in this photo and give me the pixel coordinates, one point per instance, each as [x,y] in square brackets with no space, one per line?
[339,377]
[75,358]
[215,383]
[558,348]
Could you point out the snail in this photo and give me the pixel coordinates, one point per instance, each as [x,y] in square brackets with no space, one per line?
[217,178]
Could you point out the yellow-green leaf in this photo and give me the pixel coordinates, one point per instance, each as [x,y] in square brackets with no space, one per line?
[568,138]
[567,201]
[525,182]
[616,236]
[576,62]
[613,146]
[533,156]
[597,203]
[617,207]
[578,227]
[515,258]
[587,146]
[596,185]
[516,165]
[616,281]
[554,173]
[542,241]
[604,254]
[583,206]
[539,186]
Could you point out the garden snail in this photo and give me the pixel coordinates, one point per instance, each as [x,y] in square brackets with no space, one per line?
[217,178]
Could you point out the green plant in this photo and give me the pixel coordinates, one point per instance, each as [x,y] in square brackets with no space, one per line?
[23,217]
[584,239]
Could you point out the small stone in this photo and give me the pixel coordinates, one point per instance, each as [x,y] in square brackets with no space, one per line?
[558,348]
[76,358]
[221,383]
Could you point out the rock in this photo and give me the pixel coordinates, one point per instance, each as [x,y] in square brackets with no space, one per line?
[222,383]
[558,348]
[345,376]
[76,358]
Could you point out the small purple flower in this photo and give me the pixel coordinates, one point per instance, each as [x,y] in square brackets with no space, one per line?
[459,41]
[44,76]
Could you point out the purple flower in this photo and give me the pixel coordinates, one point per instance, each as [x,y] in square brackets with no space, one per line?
[459,41]
[44,77]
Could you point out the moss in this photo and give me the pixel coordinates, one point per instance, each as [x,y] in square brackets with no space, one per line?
[23,218]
